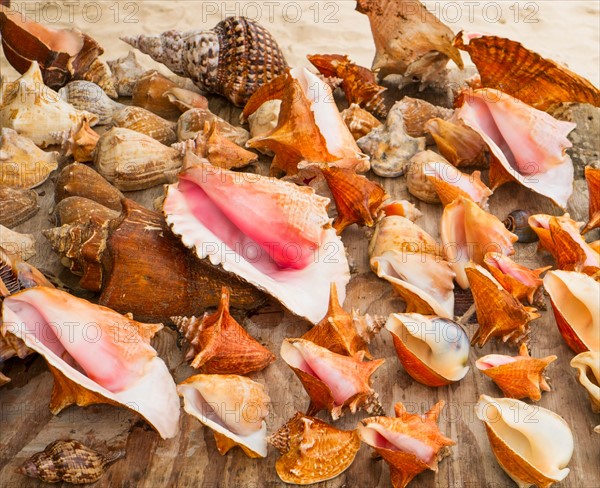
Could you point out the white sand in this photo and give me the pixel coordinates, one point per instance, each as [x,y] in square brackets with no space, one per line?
[566,31]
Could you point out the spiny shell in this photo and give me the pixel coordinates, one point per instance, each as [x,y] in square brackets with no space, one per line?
[193,121]
[145,122]
[233,59]
[359,121]
[126,72]
[17,205]
[68,461]
[85,95]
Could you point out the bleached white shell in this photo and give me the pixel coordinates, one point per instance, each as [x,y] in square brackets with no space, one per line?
[15,243]
[126,71]
[264,120]
[588,365]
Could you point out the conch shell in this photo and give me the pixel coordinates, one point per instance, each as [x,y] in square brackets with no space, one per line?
[234,407]
[192,122]
[458,143]
[218,344]
[264,120]
[281,243]
[509,66]
[588,365]
[359,121]
[416,113]
[87,96]
[433,350]
[468,233]
[233,59]
[149,93]
[450,183]
[119,368]
[390,146]
[532,445]
[417,183]
[409,443]
[68,461]
[522,283]
[527,145]
[79,142]
[185,99]
[17,205]
[312,450]
[575,300]
[499,314]
[22,163]
[402,208]
[126,72]
[518,377]
[134,161]
[79,210]
[409,258]
[592,176]
[358,83]
[15,243]
[145,122]
[34,110]
[332,381]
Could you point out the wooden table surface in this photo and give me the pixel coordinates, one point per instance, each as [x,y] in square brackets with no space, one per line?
[191,459]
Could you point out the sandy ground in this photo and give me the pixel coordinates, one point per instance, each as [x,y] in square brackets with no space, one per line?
[566,31]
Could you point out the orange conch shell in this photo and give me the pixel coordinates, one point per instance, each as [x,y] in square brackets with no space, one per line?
[518,377]
[409,40]
[468,233]
[523,283]
[409,443]
[509,66]
[459,144]
[332,381]
[218,344]
[588,365]
[499,314]
[358,83]
[575,299]
[402,208]
[450,183]
[312,450]
[527,145]
[592,176]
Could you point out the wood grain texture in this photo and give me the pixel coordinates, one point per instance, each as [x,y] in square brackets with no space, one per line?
[191,459]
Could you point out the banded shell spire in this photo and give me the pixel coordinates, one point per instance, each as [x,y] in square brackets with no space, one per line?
[233,59]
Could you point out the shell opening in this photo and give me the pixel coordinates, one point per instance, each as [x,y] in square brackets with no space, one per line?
[493,360]
[377,436]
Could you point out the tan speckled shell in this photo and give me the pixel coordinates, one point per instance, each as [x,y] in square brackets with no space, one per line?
[17,205]
[85,95]
[145,122]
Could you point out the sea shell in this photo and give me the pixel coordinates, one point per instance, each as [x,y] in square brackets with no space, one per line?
[68,461]
[17,275]
[409,443]
[63,54]
[517,222]
[17,205]
[409,40]
[282,243]
[218,344]
[126,72]
[521,282]
[233,59]
[22,245]
[107,255]
[134,161]
[508,66]
[213,146]
[99,73]
[233,407]
[85,95]
[149,93]
[193,121]
[417,112]
[119,368]
[588,365]
[527,145]
[359,121]
[402,208]
[433,350]
[417,183]
[390,147]
[22,163]
[450,183]
[468,233]
[332,381]
[264,121]
[185,99]
[517,376]
[34,110]
[458,143]
[79,142]
[145,122]
[310,127]
[79,210]
[576,303]
[499,314]
[358,83]
[406,256]
[592,176]
[79,180]
[532,445]
[312,450]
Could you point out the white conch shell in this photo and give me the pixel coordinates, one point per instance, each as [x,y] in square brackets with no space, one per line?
[233,406]
[126,71]
[22,163]
[35,111]
[588,364]
[15,243]
[85,95]
[532,444]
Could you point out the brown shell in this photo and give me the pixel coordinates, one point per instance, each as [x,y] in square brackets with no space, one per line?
[592,176]
[417,112]
[358,83]
[219,345]
[17,205]
[312,450]
[79,210]
[148,93]
[145,122]
[68,461]
[499,314]
[459,144]
[80,142]
[359,121]
[512,68]
[194,120]
[185,99]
